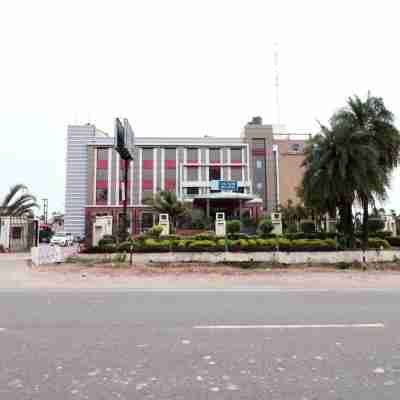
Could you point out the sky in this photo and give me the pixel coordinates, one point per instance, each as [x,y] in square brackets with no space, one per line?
[181,68]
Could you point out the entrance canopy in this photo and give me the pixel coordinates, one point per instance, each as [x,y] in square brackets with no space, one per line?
[225,196]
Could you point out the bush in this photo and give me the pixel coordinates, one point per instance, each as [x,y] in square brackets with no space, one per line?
[232,226]
[307,227]
[155,231]
[375,224]
[204,245]
[315,235]
[265,227]
[125,247]
[292,228]
[377,243]
[107,240]
[394,241]
[205,236]
[2,249]
[313,245]
[151,245]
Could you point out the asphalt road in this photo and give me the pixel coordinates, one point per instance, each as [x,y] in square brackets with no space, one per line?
[145,345]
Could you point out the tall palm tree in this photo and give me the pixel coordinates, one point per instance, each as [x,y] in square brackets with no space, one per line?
[167,202]
[18,202]
[337,165]
[375,123]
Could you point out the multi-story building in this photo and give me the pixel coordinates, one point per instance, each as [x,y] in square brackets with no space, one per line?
[258,171]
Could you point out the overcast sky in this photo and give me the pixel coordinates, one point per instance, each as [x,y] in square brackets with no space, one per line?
[181,68]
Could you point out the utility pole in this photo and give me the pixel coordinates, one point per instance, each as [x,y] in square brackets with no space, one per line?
[276,64]
[45,210]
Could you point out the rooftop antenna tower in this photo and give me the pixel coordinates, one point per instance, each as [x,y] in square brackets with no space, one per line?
[276,65]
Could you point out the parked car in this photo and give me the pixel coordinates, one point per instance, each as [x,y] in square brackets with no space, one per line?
[62,239]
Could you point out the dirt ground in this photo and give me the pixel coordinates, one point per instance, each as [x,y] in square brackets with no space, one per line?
[202,276]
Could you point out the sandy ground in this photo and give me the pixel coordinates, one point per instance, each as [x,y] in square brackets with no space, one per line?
[203,276]
[16,272]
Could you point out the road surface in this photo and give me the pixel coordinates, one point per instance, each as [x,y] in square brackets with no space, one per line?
[205,344]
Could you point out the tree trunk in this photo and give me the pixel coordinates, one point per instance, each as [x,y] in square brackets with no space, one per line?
[350,225]
[365,223]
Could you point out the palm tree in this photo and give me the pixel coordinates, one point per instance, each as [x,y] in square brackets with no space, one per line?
[375,123]
[18,202]
[167,202]
[338,163]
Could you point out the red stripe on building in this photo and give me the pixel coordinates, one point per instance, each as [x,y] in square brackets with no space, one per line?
[170,164]
[236,161]
[102,164]
[147,184]
[147,164]
[101,184]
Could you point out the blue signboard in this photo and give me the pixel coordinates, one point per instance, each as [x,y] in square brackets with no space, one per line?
[228,186]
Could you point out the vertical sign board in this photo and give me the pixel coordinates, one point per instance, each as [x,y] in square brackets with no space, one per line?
[129,137]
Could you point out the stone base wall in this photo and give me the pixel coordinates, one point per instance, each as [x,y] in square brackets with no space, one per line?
[332,257]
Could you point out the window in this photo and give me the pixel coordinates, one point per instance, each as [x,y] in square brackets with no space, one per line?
[192,173]
[16,232]
[236,173]
[102,154]
[295,148]
[259,185]
[192,191]
[192,155]
[259,164]
[215,173]
[215,156]
[101,195]
[101,174]
[236,154]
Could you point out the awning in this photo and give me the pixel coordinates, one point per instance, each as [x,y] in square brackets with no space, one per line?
[225,196]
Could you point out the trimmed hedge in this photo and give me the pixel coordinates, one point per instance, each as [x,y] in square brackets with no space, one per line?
[239,243]
[394,241]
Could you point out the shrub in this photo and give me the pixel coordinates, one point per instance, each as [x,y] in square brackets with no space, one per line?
[205,236]
[232,226]
[377,243]
[265,227]
[107,240]
[283,244]
[315,235]
[307,227]
[382,234]
[394,241]
[204,245]
[155,231]
[375,224]
[125,247]
[2,249]
[292,228]
[313,245]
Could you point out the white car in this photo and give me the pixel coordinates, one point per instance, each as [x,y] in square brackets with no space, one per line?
[62,239]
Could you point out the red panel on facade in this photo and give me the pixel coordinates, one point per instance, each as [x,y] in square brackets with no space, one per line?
[170,184]
[147,164]
[236,161]
[102,164]
[192,161]
[215,162]
[170,164]
[122,164]
[258,152]
[147,184]
[101,184]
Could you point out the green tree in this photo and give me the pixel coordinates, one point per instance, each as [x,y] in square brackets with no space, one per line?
[337,164]
[374,123]
[18,202]
[166,202]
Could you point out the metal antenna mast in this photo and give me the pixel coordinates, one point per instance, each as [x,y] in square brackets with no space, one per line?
[276,64]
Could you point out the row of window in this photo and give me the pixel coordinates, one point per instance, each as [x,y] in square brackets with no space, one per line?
[214,173]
